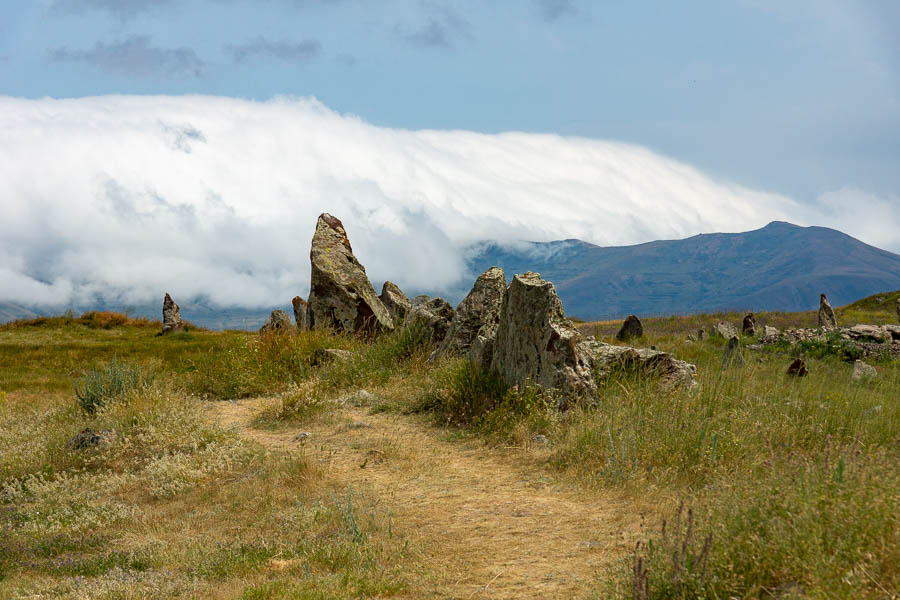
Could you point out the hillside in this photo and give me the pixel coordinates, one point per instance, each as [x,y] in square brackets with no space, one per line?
[779,267]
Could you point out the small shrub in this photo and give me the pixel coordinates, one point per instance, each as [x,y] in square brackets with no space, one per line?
[111,382]
[463,393]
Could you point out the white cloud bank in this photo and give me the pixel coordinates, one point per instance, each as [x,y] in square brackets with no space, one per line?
[129,197]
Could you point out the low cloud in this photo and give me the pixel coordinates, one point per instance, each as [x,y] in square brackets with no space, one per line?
[296,52]
[442,28]
[134,57]
[122,9]
[551,10]
[128,197]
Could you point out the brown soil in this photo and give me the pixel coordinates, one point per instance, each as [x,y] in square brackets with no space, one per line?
[484,522]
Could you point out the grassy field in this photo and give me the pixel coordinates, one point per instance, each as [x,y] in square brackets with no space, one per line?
[752,484]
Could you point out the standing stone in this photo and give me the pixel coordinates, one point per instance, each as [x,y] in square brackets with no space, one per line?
[477,315]
[826,314]
[536,343]
[631,328]
[341,296]
[278,322]
[300,317]
[435,314]
[171,316]
[898,309]
[863,371]
[395,301]
[700,334]
[732,356]
[798,368]
[748,327]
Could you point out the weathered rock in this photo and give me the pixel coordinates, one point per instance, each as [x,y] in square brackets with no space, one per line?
[700,334]
[863,371]
[865,333]
[477,315]
[893,331]
[358,398]
[541,439]
[341,296]
[301,319]
[335,354]
[826,316]
[732,356]
[435,314]
[90,438]
[898,309]
[770,335]
[723,330]
[631,328]
[171,316]
[536,343]
[278,322]
[481,353]
[748,326]
[395,301]
[798,368]
[609,358]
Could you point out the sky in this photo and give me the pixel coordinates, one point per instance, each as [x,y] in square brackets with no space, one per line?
[190,144]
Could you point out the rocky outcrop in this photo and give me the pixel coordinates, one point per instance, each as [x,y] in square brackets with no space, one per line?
[395,301]
[723,330]
[748,326]
[732,356]
[609,359]
[798,368]
[300,317]
[278,322]
[536,343]
[435,314]
[478,315]
[826,316]
[866,333]
[341,296]
[863,371]
[171,316]
[631,328]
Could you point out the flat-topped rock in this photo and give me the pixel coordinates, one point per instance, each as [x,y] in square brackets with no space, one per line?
[609,358]
[536,343]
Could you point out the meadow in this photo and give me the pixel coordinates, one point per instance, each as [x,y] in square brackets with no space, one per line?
[238,465]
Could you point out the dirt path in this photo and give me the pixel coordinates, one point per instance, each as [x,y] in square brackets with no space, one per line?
[488,522]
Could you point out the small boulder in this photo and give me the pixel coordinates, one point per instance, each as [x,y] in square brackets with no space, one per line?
[435,314]
[862,370]
[90,438]
[826,316]
[395,301]
[631,328]
[477,315]
[866,333]
[749,326]
[171,316]
[341,296]
[300,317]
[724,330]
[335,354]
[770,335]
[278,322]
[609,358]
[732,356]
[798,368]
[536,343]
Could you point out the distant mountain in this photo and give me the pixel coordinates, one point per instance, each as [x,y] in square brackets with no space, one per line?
[779,267]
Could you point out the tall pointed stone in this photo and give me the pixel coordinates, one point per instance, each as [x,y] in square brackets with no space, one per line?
[477,315]
[171,316]
[341,296]
[826,314]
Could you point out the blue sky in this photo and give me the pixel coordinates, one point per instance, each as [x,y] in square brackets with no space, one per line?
[798,98]
[188,145]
